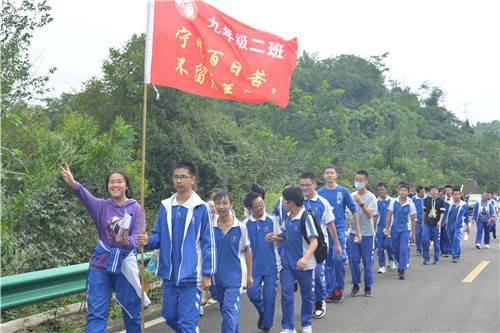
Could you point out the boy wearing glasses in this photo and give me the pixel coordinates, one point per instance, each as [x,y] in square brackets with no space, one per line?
[183,232]
[265,259]
[323,213]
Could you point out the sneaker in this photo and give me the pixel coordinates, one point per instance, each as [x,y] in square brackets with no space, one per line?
[487,246]
[435,262]
[392,265]
[307,329]
[446,255]
[355,290]
[419,253]
[212,301]
[288,330]
[455,260]
[478,246]
[329,299]
[202,310]
[197,329]
[368,292]
[426,261]
[401,274]
[319,310]
[338,296]
[259,322]
[295,287]
[266,329]
[382,270]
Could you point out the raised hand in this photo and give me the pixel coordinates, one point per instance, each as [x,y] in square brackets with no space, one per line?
[67,176]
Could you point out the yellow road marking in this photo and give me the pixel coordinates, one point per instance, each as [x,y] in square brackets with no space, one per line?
[475,272]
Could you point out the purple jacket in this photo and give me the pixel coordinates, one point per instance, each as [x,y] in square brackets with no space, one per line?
[106,213]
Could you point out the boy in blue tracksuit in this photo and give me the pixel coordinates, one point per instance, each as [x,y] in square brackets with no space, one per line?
[297,259]
[234,261]
[399,224]
[418,201]
[323,213]
[339,198]
[483,214]
[383,242]
[265,259]
[183,232]
[444,238]
[280,212]
[457,216]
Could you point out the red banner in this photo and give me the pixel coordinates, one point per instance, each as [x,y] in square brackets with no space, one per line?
[198,49]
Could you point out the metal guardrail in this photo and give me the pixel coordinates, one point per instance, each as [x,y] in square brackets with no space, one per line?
[22,289]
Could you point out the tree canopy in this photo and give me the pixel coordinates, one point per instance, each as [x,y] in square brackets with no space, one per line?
[341,111]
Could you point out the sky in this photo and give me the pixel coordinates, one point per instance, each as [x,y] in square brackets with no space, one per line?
[453,45]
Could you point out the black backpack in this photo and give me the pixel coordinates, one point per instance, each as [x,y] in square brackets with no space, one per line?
[322,250]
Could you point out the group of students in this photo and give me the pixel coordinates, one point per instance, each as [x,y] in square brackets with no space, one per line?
[305,242]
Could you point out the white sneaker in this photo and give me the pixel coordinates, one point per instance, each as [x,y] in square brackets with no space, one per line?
[478,246]
[392,265]
[382,270]
[466,236]
[289,330]
[407,265]
[307,329]
[487,246]
[320,310]
[202,311]
[197,329]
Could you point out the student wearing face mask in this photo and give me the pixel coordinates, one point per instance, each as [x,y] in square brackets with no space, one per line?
[361,240]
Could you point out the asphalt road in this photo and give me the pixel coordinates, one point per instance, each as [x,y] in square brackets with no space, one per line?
[432,298]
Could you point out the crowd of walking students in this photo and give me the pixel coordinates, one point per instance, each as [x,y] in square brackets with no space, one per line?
[303,244]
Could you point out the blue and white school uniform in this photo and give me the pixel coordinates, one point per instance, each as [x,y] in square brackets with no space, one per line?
[445,241]
[185,237]
[419,206]
[383,243]
[457,216]
[294,248]
[401,230]
[323,213]
[280,212]
[339,198]
[265,266]
[481,213]
[231,272]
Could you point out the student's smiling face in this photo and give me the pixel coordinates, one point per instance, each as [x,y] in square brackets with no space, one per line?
[257,208]
[223,206]
[308,187]
[117,186]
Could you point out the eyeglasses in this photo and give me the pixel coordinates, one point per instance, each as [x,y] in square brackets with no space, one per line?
[258,206]
[306,185]
[181,177]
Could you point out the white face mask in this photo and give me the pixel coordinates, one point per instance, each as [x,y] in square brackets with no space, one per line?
[359,186]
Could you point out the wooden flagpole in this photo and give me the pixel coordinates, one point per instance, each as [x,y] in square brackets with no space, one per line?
[144,109]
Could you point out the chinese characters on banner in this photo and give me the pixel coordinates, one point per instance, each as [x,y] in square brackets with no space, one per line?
[196,48]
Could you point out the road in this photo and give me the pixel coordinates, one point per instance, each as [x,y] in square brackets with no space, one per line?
[431,298]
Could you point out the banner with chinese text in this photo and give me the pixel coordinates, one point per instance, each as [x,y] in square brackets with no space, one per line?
[198,49]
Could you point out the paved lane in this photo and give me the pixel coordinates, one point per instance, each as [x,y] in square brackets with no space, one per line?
[432,298]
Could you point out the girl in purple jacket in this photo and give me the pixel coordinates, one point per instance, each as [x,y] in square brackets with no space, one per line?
[113,264]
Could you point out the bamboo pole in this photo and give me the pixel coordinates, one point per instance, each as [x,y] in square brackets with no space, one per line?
[144,109]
